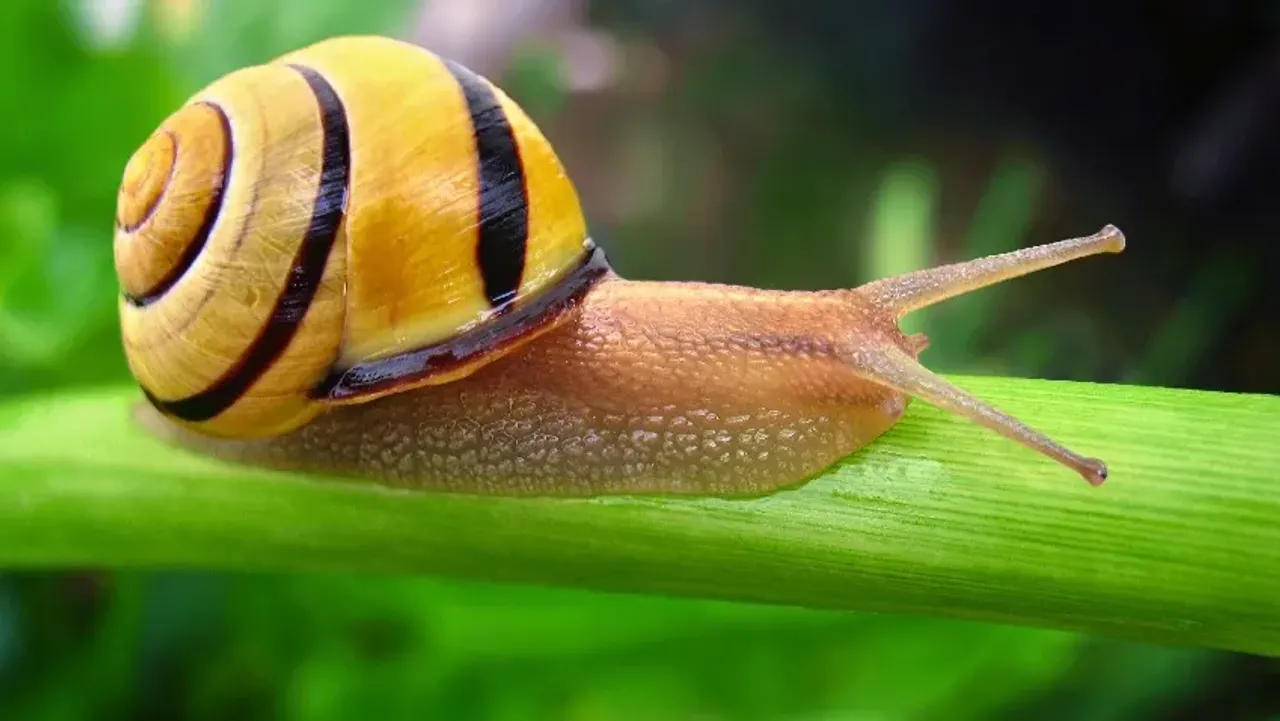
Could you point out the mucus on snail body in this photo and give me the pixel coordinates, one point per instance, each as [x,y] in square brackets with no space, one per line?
[364,260]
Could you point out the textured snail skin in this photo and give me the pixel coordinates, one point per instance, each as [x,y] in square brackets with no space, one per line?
[651,387]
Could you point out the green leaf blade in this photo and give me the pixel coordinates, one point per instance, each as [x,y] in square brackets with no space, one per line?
[939,517]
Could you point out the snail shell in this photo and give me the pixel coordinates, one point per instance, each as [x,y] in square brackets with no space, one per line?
[350,220]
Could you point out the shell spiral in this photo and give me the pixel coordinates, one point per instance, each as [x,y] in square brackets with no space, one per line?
[346,221]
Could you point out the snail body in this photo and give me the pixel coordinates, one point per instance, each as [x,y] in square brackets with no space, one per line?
[365,261]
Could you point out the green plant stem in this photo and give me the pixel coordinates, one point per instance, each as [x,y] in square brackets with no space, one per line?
[938,517]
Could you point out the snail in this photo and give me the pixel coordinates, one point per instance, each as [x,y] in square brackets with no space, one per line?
[365,261]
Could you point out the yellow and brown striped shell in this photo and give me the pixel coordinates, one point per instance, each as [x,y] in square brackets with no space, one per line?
[349,220]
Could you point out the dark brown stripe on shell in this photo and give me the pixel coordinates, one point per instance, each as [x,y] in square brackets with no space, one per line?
[499,332]
[304,276]
[503,215]
[192,249]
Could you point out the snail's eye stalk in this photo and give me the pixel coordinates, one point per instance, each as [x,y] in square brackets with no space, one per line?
[909,292]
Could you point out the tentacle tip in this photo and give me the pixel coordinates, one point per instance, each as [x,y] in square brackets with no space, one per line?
[1112,239]
[1094,471]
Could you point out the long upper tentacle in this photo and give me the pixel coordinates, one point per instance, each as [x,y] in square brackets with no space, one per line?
[905,293]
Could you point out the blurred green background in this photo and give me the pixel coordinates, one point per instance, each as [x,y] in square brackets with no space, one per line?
[757,142]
